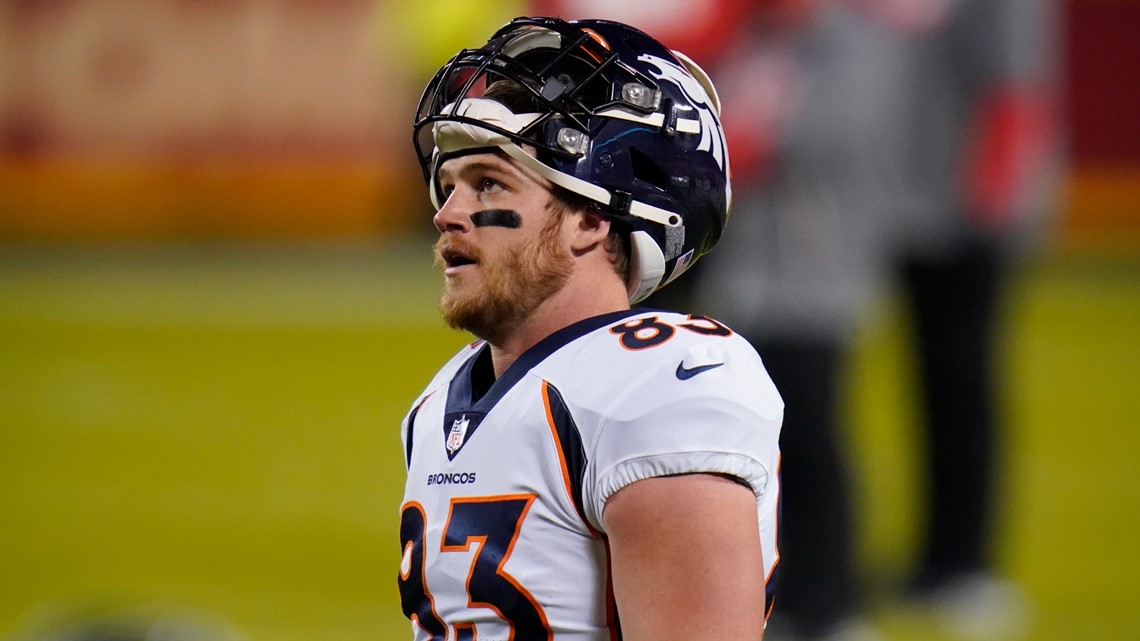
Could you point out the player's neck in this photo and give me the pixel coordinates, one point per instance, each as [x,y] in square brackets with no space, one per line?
[580,299]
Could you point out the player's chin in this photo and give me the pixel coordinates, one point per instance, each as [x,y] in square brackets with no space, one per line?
[468,311]
[464,284]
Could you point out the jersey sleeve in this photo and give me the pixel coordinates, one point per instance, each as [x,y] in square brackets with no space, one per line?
[706,408]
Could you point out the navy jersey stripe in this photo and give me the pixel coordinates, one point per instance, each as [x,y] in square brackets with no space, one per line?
[411,431]
[570,441]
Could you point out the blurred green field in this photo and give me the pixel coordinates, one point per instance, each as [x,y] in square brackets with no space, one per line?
[214,429]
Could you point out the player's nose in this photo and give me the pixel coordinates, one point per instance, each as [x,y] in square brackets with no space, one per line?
[454,215]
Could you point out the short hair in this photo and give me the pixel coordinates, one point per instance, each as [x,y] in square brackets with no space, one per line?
[514,96]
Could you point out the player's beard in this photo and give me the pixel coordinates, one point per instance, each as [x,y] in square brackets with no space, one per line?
[511,286]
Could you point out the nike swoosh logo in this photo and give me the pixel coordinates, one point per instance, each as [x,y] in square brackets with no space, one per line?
[685,373]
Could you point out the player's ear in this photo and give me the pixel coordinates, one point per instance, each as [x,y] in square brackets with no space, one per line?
[591,230]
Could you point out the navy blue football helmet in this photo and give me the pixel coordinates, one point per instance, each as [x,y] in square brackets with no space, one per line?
[612,115]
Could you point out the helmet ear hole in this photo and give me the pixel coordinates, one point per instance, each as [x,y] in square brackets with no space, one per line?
[646,169]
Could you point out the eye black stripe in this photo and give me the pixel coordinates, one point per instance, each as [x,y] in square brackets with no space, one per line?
[508,218]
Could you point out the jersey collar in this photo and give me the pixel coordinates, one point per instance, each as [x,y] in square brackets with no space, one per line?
[461,395]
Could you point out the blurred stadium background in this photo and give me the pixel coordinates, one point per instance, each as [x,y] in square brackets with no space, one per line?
[217,299]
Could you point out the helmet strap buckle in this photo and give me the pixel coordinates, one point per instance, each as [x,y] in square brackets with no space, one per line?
[620,201]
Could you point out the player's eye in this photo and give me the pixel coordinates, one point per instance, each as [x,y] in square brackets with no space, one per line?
[489,185]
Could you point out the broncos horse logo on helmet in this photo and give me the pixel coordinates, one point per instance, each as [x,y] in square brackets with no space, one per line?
[610,114]
[712,136]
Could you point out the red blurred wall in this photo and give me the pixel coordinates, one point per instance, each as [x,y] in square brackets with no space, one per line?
[1102,101]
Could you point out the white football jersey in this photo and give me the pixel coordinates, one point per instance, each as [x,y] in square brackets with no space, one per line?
[502,524]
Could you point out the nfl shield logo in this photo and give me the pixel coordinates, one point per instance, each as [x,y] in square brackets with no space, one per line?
[456,435]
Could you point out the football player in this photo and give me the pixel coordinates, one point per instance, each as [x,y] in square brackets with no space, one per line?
[585,470]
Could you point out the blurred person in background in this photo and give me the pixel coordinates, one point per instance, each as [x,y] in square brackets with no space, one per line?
[605,461]
[804,257]
[969,136]
[871,138]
